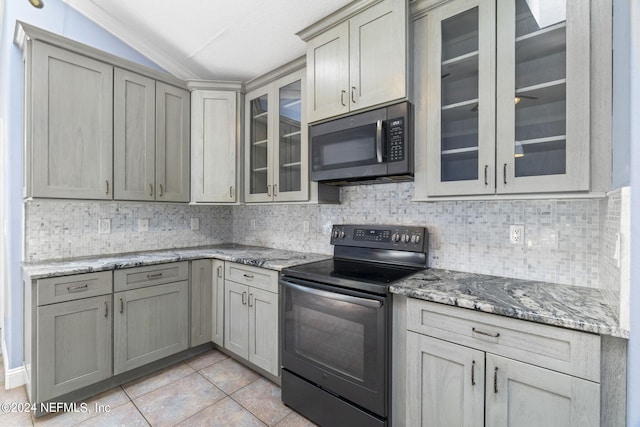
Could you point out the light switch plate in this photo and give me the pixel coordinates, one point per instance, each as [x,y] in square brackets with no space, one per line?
[195,224]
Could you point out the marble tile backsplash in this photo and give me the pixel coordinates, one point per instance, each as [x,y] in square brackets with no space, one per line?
[562,239]
[62,229]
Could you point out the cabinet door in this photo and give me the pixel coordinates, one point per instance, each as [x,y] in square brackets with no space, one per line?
[461,93]
[518,394]
[151,323]
[291,180]
[201,301]
[445,383]
[378,55]
[73,345]
[328,73]
[172,143]
[263,329]
[258,166]
[217,306]
[71,109]
[543,97]
[213,146]
[134,136]
[236,318]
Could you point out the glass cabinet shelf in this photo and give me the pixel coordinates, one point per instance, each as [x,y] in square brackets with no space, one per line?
[291,134]
[257,116]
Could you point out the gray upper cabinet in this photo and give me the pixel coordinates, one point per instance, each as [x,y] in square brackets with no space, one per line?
[359,63]
[505,94]
[134,136]
[172,143]
[213,146]
[69,128]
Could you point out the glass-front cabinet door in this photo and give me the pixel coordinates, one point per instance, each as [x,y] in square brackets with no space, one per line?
[276,156]
[542,96]
[460,117]
[258,148]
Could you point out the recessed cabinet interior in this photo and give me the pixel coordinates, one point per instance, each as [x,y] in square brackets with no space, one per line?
[213,146]
[509,112]
[69,124]
[358,63]
[475,369]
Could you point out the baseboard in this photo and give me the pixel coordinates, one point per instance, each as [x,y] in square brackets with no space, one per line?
[12,377]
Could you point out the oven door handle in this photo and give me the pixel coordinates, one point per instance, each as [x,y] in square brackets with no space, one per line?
[334,295]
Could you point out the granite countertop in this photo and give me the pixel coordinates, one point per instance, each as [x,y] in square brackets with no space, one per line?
[572,307]
[273,259]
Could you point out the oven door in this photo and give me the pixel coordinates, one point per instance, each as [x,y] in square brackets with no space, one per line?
[351,147]
[337,339]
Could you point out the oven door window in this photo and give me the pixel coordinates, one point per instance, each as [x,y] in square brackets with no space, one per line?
[358,146]
[337,341]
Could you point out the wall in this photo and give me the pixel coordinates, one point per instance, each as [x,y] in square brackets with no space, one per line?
[62,229]
[562,237]
[56,17]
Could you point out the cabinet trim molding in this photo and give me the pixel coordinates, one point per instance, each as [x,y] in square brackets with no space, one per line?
[335,18]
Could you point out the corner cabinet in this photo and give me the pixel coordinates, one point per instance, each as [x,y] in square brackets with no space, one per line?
[276,150]
[214,150]
[507,99]
[358,63]
[68,124]
[466,368]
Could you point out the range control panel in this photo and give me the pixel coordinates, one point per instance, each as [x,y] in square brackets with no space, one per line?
[398,237]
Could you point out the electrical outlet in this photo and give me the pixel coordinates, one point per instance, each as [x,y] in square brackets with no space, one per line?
[143,225]
[253,224]
[104,226]
[516,234]
[195,224]
[305,226]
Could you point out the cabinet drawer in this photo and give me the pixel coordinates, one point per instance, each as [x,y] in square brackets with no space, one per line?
[563,350]
[260,278]
[67,288]
[139,277]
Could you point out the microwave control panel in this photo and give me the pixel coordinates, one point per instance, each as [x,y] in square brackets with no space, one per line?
[396,139]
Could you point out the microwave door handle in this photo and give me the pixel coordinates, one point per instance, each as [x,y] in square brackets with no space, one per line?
[334,295]
[379,141]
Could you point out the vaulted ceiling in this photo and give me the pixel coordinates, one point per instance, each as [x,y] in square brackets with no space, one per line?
[235,40]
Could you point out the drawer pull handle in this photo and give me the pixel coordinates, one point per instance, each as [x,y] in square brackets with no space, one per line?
[154,276]
[250,298]
[486,175]
[121,306]
[150,189]
[244,298]
[504,174]
[495,381]
[353,94]
[231,192]
[248,276]
[220,271]
[107,192]
[106,309]
[342,94]
[78,288]
[473,372]
[489,334]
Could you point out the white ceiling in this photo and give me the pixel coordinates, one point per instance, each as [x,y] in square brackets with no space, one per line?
[234,40]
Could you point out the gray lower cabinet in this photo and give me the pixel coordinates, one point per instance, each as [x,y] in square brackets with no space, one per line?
[150,323]
[73,345]
[202,300]
[251,315]
[473,369]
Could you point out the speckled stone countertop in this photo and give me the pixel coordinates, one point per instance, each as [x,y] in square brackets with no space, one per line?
[572,307]
[273,259]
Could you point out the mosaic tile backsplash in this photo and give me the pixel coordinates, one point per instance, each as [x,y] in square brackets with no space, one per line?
[562,239]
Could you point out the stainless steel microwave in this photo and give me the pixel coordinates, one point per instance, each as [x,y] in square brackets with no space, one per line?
[366,146]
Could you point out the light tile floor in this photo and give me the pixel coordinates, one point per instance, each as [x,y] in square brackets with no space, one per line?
[210,389]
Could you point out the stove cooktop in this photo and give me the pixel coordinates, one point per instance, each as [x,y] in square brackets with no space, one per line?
[366,276]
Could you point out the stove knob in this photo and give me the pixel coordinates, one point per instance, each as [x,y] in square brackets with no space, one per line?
[406,238]
[336,233]
[341,234]
[395,237]
[415,238]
